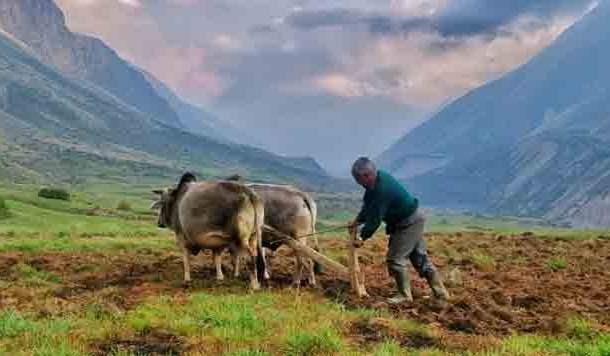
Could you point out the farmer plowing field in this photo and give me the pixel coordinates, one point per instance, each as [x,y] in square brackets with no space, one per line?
[387,200]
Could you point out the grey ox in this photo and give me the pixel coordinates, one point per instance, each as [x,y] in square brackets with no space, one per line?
[216,216]
[291,212]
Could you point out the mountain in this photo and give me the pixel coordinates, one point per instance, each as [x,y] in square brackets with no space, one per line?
[41,25]
[56,128]
[533,142]
[196,119]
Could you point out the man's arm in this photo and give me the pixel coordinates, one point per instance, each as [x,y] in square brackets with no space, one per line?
[361,218]
[374,213]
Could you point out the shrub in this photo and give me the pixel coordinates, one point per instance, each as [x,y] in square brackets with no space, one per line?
[124,206]
[54,193]
[4,213]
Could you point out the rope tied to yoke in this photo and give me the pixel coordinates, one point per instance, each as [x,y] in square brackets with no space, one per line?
[270,229]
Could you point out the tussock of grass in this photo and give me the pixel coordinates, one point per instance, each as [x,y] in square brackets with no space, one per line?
[248,353]
[389,348]
[557,263]
[581,329]
[31,274]
[324,341]
[12,324]
[482,260]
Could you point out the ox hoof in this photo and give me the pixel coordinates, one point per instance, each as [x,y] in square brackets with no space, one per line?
[220,278]
[186,284]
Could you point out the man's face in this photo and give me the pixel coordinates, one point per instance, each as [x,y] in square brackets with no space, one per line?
[366,179]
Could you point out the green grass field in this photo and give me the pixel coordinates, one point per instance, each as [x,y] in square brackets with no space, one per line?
[44,313]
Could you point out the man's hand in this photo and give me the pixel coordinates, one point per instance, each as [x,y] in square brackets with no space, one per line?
[352,227]
[358,242]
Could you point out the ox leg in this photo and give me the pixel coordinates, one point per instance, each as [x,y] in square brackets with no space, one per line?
[186,263]
[309,265]
[298,272]
[267,275]
[235,258]
[251,258]
[218,263]
[311,271]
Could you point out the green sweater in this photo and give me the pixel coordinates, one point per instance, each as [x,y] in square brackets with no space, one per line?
[388,201]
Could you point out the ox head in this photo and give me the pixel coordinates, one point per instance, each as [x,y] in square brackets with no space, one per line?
[165,203]
[167,200]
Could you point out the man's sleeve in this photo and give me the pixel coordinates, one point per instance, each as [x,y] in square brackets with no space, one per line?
[361,218]
[372,218]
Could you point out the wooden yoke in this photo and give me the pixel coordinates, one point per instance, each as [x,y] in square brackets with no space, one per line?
[356,277]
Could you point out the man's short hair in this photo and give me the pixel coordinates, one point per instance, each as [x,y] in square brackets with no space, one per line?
[363,165]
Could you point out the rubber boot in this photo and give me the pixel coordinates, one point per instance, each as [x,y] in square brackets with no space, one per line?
[438,289]
[403,284]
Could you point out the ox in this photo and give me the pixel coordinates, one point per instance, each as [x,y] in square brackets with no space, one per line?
[291,212]
[215,216]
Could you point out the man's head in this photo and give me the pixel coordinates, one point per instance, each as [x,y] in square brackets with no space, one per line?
[364,172]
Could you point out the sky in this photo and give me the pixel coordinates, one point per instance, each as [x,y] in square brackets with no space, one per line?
[332,79]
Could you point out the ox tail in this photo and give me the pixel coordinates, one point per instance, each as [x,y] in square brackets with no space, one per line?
[313,212]
[259,220]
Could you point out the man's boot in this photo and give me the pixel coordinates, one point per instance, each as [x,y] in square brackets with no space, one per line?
[403,284]
[437,286]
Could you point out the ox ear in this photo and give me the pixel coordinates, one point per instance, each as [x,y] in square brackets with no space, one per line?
[187,177]
[235,178]
[158,191]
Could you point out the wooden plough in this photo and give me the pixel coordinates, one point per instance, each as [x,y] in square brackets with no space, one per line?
[351,273]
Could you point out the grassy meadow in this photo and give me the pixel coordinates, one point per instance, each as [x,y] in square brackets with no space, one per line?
[94,276]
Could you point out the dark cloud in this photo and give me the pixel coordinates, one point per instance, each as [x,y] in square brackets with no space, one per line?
[459,18]
[469,17]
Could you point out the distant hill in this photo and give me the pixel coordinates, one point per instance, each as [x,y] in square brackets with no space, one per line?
[198,120]
[531,143]
[56,128]
[41,25]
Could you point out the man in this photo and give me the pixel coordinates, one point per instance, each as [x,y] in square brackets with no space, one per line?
[387,200]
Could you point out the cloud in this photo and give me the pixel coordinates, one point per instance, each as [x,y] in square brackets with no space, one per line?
[132,3]
[448,18]
[282,69]
[427,69]
[342,85]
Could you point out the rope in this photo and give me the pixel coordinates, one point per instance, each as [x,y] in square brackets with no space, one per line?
[302,236]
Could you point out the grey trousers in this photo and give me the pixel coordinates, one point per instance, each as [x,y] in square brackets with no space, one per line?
[406,242]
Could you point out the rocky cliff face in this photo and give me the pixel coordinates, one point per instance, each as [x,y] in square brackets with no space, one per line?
[41,25]
[534,142]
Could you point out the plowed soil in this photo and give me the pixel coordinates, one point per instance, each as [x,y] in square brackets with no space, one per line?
[499,285]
